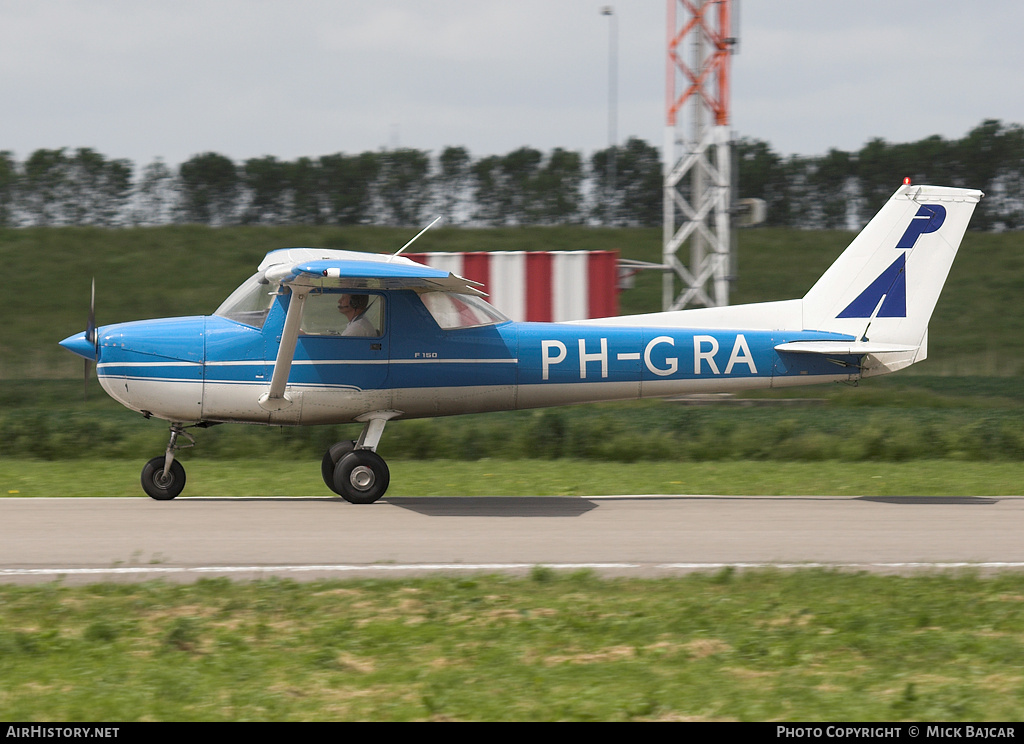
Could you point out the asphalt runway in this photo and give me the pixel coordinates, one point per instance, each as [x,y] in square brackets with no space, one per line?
[81,540]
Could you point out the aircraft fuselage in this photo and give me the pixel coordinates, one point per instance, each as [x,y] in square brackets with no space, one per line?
[209,368]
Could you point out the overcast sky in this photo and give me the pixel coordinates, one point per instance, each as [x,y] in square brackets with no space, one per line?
[142,79]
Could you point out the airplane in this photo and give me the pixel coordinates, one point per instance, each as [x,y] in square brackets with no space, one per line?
[282,349]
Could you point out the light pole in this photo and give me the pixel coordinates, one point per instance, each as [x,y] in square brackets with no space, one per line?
[613,33]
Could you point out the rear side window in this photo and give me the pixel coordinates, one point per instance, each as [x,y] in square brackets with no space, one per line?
[452,310]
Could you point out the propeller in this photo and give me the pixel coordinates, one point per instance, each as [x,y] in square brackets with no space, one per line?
[91,336]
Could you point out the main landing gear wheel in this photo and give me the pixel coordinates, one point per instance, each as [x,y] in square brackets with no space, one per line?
[160,484]
[330,461]
[361,477]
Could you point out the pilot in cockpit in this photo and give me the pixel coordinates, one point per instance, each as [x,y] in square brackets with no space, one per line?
[354,307]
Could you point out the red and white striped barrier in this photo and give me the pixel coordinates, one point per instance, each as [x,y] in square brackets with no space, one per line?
[540,286]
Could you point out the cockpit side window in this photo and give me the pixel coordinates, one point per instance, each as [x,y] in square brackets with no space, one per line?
[340,313]
[250,303]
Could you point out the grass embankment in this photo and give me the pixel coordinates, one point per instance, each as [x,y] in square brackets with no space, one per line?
[140,273]
[804,646]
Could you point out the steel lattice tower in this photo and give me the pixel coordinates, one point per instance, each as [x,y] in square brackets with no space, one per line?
[697,158]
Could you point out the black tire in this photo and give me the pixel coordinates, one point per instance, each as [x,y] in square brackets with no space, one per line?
[157,485]
[330,461]
[361,477]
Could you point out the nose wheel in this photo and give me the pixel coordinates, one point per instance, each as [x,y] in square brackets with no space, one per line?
[163,477]
[160,482]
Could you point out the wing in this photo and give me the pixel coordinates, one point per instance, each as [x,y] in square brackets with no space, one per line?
[306,267]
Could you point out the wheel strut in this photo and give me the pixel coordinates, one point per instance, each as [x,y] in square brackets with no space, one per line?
[173,446]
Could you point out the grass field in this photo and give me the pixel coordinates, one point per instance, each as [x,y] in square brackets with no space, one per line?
[758,646]
[300,479]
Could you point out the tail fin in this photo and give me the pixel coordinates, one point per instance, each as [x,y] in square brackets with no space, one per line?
[884,286]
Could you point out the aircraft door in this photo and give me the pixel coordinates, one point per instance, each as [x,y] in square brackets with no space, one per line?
[342,353]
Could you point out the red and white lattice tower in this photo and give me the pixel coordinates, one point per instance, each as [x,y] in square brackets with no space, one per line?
[697,153]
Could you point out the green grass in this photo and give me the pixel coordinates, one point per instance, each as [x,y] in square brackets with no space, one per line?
[301,478]
[757,646]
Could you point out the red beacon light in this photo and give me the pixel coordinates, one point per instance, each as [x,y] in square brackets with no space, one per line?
[906,181]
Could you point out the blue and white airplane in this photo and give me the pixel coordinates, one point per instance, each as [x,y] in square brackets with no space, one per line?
[328,337]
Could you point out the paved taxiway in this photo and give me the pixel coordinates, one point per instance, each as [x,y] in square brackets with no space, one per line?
[79,539]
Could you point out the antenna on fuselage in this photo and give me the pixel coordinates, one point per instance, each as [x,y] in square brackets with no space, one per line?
[399,251]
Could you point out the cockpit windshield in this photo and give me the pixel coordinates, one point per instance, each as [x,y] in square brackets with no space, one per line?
[250,303]
[452,310]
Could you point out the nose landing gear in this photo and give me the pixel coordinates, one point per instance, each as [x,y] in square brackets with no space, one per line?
[163,477]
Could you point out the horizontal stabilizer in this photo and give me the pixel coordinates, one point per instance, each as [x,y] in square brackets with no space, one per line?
[842,347]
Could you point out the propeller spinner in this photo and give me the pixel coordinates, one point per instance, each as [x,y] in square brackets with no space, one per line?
[87,344]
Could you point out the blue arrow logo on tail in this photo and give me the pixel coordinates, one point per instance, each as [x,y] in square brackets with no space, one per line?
[892,283]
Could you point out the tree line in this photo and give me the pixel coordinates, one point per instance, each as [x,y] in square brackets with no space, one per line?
[844,189]
[619,185]
[390,187]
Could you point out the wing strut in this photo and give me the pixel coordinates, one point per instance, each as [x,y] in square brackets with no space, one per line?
[275,398]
